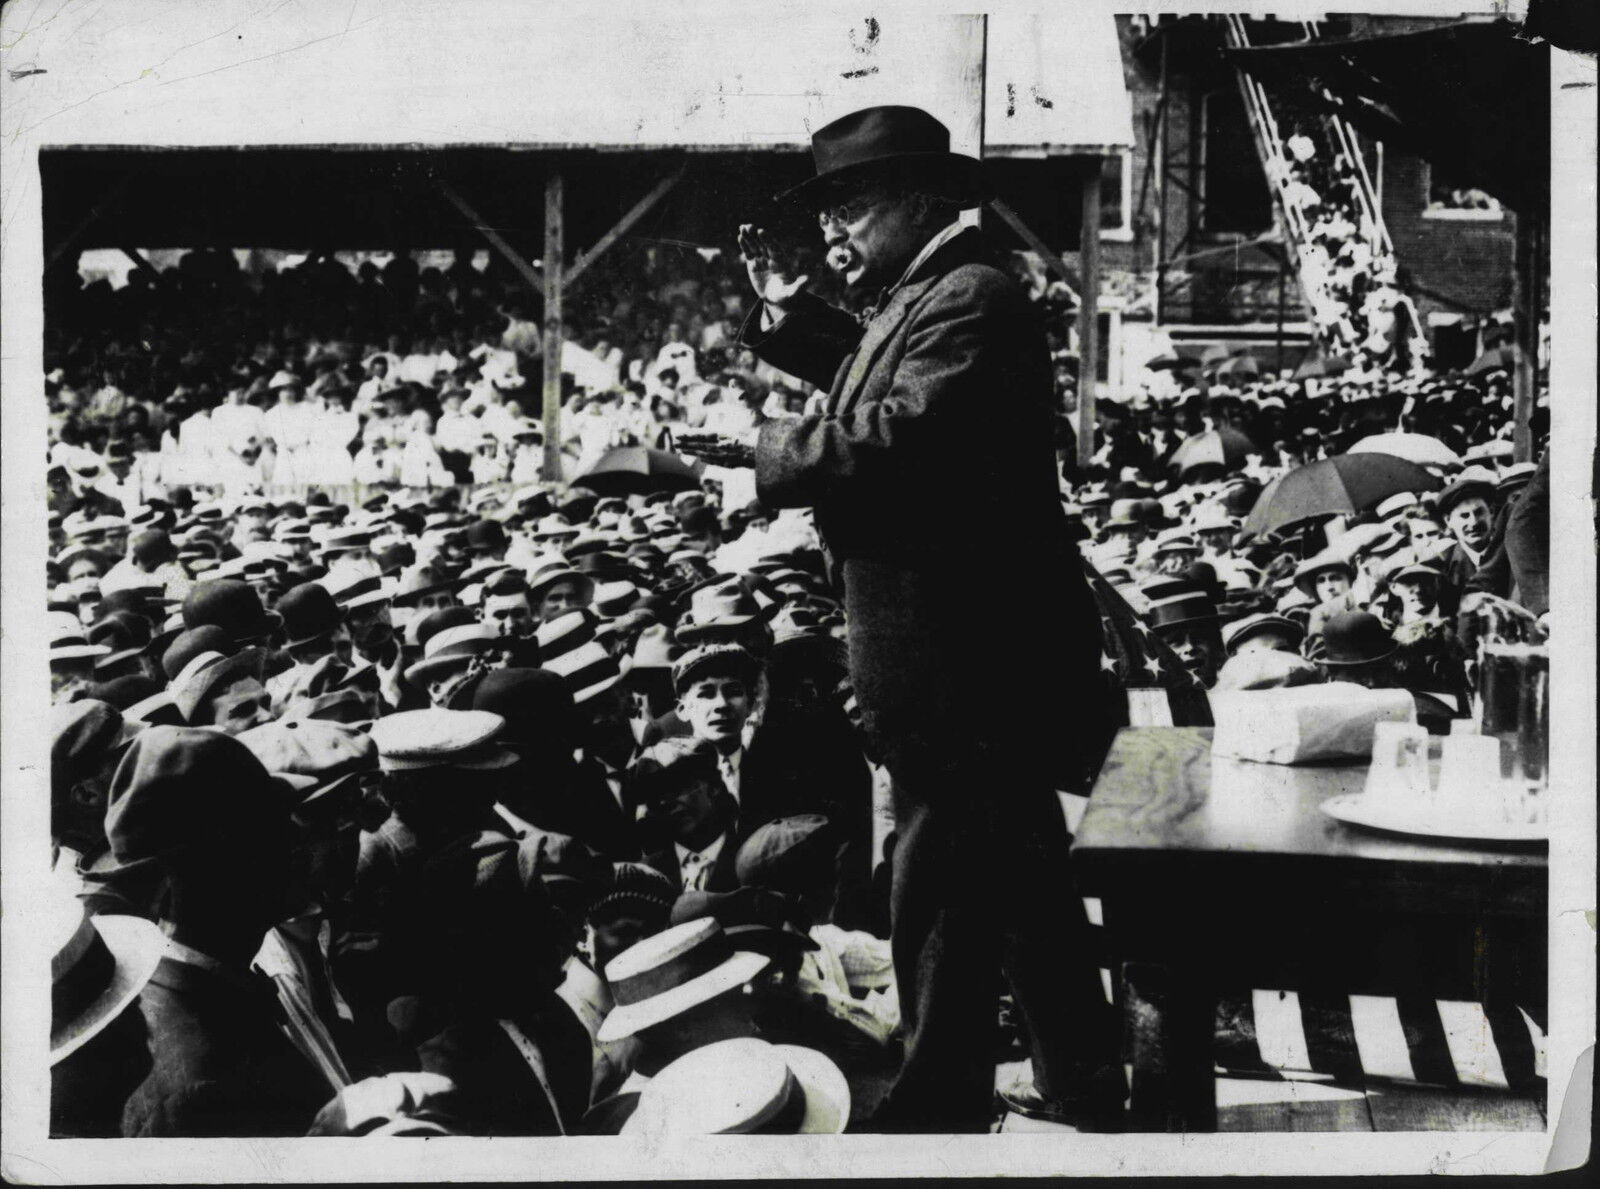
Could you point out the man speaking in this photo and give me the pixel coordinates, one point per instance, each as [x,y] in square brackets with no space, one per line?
[974,640]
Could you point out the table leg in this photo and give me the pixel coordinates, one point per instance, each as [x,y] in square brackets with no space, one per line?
[1171,1020]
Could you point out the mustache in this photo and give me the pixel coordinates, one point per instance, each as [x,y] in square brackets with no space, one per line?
[841,258]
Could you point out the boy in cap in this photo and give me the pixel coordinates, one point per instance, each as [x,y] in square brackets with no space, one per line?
[715,684]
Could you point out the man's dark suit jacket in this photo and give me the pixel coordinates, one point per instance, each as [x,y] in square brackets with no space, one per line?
[932,471]
[220,1065]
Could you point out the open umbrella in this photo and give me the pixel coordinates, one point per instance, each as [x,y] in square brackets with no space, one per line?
[1340,486]
[1240,367]
[1413,447]
[1493,360]
[628,470]
[1224,448]
[1316,369]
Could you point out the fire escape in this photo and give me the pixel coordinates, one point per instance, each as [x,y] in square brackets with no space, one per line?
[1335,227]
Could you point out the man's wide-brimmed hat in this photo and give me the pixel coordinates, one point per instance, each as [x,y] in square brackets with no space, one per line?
[98,966]
[905,143]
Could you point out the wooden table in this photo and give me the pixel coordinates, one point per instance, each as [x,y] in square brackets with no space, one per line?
[1224,873]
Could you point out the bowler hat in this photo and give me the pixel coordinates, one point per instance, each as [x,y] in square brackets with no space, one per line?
[190,644]
[231,605]
[1355,638]
[536,705]
[309,613]
[905,143]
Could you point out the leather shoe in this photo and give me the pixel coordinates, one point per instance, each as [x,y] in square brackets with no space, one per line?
[1092,1103]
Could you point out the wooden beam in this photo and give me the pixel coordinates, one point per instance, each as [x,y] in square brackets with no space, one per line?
[636,212]
[554,248]
[1052,260]
[513,257]
[1088,312]
[137,257]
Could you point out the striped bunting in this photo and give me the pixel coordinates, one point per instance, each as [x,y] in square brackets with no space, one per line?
[1364,1038]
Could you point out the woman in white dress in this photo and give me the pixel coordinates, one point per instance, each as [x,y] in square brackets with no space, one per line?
[336,431]
[420,464]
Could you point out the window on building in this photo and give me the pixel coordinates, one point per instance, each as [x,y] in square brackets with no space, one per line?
[1449,196]
[1116,198]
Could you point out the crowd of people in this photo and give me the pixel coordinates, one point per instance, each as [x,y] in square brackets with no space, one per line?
[1349,277]
[399,791]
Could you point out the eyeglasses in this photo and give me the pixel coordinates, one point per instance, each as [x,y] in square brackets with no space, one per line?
[850,211]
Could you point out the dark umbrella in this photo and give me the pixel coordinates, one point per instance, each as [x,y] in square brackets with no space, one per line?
[1493,360]
[1171,362]
[1340,486]
[1316,369]
[629,470]
[1224,448]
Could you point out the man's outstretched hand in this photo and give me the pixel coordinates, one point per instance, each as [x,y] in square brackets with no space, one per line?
[774,276]
[717,449]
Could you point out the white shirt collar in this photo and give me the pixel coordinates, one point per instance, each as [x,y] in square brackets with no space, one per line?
[704,858]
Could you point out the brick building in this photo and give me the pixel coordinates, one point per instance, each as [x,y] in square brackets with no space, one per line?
[1189,245]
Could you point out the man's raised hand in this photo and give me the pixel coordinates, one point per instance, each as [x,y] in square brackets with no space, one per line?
[771,276]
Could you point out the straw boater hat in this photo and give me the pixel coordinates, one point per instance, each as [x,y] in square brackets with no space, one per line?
[677,969]
[99,966]
[744,1086]
[450,650]
[68,641]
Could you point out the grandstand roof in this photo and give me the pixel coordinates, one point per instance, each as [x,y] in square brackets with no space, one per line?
[491,95]
[539,75]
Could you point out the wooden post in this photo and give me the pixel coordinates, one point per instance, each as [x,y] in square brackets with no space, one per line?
[1088,310]
[554,268]
[1528,275]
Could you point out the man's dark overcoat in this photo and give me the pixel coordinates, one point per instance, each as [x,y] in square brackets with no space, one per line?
[974,646]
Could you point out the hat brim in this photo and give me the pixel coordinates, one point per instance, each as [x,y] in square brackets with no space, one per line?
[1360,660]
[826,1088]
[79,652]
[630,1019]
[432,668]
[766,939]
[136,946]
[958,177]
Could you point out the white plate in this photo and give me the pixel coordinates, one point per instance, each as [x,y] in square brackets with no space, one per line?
[1355,810]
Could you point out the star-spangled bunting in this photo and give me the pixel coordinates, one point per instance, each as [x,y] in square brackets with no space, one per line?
[1133,657]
